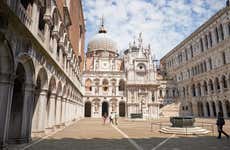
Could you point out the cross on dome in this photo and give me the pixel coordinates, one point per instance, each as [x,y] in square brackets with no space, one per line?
[102,28]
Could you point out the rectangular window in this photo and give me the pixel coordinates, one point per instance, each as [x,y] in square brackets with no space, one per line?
[186,54]
[191,49]
[201,45]
[210,38]
[206,41]
[224,58]
[210,63]
[217,35]
[221,32]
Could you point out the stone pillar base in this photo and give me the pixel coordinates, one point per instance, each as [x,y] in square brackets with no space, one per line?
[19,140]
[3,146]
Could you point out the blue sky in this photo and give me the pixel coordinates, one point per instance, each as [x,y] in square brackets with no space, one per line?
[164,23]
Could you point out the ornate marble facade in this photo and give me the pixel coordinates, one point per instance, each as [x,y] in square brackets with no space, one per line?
[127,84]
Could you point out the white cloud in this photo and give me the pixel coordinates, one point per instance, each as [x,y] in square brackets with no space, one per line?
[164,23]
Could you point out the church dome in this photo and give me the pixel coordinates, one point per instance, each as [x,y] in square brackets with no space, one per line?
[102,42]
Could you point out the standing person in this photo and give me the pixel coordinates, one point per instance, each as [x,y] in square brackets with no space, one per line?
[111,118]
[116,118]
[220,123]
[104,118]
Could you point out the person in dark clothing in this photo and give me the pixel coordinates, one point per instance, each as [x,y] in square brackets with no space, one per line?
[220,123]
[104,118]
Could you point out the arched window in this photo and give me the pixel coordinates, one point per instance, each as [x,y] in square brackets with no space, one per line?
[121,85]
[224,82]
[105,85]
[193,90]
[205,87]
[211,85]
[199,89]
[41,23]
[88,85]
[217,84]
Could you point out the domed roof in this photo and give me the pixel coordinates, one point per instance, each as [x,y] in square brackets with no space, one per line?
[102,41]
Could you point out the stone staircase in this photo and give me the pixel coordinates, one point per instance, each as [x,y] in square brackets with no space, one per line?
[170,110]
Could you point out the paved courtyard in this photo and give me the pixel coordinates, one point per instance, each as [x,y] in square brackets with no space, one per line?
[90,134]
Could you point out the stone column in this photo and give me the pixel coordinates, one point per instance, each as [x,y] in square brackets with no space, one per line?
[27,113]
[6,89]
[58,111]
[38,124]
[51,117]
[195,108]
[225,28]
[35,15]
[47,34]
[217,107]
[63,115]
[224,110]
[205,109]
[211,109]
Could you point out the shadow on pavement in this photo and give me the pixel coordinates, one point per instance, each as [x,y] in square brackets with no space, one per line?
[175,143]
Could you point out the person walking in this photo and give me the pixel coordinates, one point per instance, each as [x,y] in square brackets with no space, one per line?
[116,119]
[220,123]
[105,118]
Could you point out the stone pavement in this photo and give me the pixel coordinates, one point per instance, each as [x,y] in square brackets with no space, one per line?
[90,134]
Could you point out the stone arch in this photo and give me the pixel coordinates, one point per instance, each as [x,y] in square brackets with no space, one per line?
[23,98]
[88,85]
[7,67]
[121,85]
[40,100]
[105,108]
[88,109]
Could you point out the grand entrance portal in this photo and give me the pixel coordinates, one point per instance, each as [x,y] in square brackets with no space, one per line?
[88,109]
[122,109]
[105,108]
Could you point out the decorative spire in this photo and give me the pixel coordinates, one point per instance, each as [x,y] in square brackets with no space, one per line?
[140,40]
[227,3]
[102,29]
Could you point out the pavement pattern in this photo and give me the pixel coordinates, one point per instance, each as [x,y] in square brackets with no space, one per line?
[91,134]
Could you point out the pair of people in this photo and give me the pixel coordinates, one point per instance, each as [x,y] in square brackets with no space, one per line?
[113,118]
[220,123]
